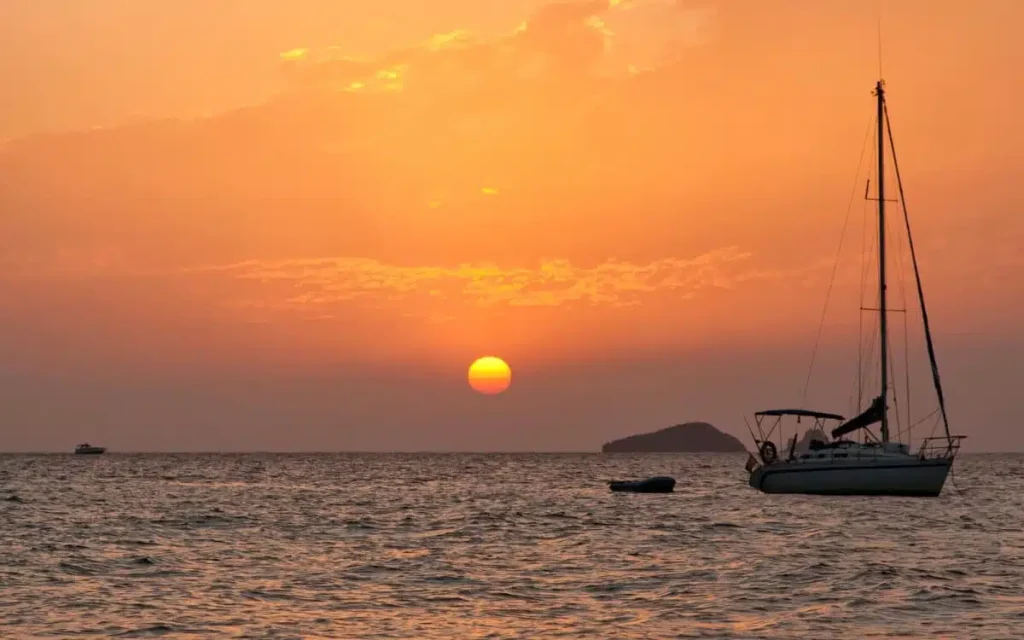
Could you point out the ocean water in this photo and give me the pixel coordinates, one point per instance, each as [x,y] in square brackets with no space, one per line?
[494,546]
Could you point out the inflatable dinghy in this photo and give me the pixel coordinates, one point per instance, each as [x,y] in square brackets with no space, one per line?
[658,484]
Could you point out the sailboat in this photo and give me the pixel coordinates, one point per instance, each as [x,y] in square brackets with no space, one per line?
[878,464]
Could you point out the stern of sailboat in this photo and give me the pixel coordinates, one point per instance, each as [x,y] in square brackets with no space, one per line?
[940,448]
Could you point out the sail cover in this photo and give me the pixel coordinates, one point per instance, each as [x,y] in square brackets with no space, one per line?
[872,415]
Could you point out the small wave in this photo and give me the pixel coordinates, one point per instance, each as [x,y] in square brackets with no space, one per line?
[261,594]
[76,569]
[561,514]
[150,631]
[496,554]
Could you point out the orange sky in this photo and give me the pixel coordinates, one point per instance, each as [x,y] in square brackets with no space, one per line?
[269,224]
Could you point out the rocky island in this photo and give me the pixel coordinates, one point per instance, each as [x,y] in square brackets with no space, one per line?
[691,437]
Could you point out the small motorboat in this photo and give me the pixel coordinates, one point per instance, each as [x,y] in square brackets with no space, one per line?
[88,449]
[658,484]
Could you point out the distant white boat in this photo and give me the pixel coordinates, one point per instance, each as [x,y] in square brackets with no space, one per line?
[878,465]
[88,449]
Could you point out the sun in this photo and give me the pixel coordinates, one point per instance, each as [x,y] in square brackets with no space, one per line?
[489,375]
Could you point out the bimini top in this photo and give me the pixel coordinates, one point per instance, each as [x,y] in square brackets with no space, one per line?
[803,413]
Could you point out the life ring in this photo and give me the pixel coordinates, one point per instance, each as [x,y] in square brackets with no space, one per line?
[768,452]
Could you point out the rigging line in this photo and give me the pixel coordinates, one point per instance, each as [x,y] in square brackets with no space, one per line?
[935,423]
[895,396]
[751,430]
[835,264]
[906,358]
[898,246]
[867,373]
[906,370]
[870,369]
[921,421]
[866,342]
[892,375]
[860,303]
[867,248]
[920,288]
[901,281]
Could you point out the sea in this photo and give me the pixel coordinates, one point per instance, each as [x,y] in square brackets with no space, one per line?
[464,546]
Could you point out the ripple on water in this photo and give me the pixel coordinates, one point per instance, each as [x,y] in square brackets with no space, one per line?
[493,546]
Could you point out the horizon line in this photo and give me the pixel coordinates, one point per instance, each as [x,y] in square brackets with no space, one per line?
[419,452]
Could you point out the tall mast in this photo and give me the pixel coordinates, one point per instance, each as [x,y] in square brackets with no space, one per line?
[882,327]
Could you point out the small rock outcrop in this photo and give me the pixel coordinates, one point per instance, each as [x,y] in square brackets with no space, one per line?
[692,437]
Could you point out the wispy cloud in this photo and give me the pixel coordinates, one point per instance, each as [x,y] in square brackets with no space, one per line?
[308,283]
[574,36]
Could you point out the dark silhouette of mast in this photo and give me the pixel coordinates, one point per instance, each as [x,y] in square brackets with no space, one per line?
[882,325]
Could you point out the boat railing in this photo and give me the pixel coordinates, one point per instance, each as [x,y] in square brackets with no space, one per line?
[840,457]
[940,447]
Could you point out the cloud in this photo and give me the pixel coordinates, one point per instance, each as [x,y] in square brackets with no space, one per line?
[295,54]
[560,40]
[453,152]
[303,284]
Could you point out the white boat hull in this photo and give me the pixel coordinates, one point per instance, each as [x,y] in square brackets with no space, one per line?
[909,477]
